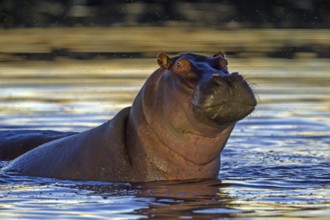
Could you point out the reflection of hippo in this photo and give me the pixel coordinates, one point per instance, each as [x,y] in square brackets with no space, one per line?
[179,123]
[172,198]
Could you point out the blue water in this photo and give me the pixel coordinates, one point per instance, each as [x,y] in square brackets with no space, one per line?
[276,164]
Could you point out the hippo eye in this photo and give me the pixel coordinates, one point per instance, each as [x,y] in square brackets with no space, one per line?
[182,67]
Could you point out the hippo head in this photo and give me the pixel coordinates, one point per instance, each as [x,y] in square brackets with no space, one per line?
[217,97]
[190,105]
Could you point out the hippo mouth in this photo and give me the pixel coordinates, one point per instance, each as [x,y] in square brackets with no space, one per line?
[224,113]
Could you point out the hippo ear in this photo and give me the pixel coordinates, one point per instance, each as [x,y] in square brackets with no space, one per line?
[182,67]
[164,61]
[219,53]
[222,61]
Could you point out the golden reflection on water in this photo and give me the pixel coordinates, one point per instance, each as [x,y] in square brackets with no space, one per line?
[155,39]
[102,87]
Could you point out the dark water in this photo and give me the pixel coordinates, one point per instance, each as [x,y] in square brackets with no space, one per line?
[276,163]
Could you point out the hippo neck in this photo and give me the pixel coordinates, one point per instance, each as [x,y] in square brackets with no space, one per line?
[195,148]
[155,160]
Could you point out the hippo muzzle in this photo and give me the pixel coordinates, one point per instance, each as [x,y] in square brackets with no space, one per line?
[223,98]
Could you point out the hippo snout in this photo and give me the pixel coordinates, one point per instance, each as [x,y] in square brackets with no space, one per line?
[236,86]
[224,98]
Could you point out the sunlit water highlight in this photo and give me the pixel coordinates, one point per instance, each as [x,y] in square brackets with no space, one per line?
[276,163]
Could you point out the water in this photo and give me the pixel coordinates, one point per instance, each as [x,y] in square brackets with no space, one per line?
[276,163]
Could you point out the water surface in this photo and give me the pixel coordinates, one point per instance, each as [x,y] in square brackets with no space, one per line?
[276,163]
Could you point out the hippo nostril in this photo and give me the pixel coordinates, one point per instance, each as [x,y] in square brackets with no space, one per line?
[216,77]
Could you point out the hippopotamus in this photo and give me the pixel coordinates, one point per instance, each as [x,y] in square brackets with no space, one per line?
[176,128]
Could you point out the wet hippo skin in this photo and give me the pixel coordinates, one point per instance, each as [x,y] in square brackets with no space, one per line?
[176,128]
